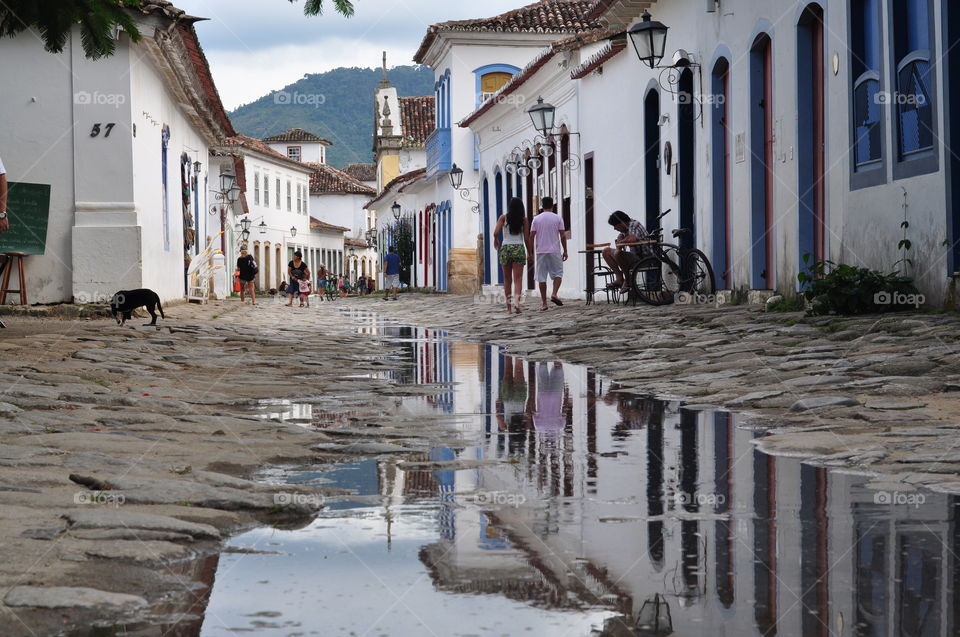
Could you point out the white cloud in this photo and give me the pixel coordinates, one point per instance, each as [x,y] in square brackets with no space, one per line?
[244,78]
[258,46]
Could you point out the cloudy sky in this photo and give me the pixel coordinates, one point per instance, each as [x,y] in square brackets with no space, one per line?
[256,46]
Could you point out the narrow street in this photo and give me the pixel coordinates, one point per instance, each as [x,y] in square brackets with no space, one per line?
[362,467]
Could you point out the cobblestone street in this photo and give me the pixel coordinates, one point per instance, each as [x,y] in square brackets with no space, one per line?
[879,392]
[129,455]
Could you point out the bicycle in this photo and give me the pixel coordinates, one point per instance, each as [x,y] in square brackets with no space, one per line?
[666,269]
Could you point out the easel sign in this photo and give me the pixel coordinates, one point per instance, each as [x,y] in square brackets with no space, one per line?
[29,207]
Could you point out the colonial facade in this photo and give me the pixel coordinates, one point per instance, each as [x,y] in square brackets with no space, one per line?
[276,203]
[472,60]
[339,199]
[773,130]
[123,143]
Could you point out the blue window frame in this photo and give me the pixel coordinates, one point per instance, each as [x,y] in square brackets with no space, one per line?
[914,78]
[865,70]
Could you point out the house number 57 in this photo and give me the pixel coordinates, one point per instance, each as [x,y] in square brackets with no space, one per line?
[95,131]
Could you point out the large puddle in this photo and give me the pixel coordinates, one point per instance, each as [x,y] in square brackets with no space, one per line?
[609,515]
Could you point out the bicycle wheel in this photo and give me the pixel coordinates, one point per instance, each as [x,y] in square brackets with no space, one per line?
[696,275]
[650,283]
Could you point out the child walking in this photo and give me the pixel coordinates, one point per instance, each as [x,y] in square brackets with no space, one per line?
[305,289]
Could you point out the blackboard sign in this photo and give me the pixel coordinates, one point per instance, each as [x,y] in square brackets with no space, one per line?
[28,206]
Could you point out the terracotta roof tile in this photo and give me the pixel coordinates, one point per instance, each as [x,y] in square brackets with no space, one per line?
[362,172]
[316,224]
[418,119]
[357,243]
[328,180]
[546,16]
[297,135]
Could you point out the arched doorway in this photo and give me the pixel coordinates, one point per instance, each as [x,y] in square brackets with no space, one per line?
[498,210]
[686,156]
[651,156]
[266,278]
[811,147]
[761,162]
[487,238]
[720,136]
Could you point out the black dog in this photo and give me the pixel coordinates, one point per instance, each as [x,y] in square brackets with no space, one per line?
[125,302]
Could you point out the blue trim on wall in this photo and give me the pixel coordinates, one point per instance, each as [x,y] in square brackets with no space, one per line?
[486,230]
[758,176]
[806,153]
[720,147]
[498,188]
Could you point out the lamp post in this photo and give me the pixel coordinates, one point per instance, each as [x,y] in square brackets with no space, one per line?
[293,231]
[649,39]
[228,194]
[543,115]
[395,209]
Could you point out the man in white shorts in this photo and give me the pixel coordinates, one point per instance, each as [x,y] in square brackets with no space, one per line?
[549,236]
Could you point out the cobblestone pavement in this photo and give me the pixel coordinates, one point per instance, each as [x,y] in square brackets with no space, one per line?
[878,393]
[126,454]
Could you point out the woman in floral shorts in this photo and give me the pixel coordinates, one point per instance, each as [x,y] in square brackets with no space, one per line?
[515,251]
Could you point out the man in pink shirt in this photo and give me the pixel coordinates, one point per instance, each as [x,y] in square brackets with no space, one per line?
[548,235]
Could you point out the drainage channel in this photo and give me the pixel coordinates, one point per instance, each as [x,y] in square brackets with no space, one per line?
[572,508]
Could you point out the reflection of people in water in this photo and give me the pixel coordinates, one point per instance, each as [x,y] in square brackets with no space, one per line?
[635,412]
[512,406]
[548,414]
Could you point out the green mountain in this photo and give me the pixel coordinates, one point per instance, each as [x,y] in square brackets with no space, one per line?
[336,105]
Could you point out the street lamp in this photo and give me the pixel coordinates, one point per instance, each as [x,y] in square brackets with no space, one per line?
[543,115]
[395,208]
[649,40]
[263,227]
[196,167]
[245,224]
[293,231]
[227,182]
[244,236]
[372,237]
[456,177]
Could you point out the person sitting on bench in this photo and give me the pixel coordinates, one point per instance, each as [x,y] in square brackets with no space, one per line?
[624,257]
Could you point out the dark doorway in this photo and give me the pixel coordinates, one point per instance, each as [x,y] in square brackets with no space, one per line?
[720,134]
[588,229]
[761,163]
[811,165]
[498,211]
[686,156]
[487,238]
[951,103]
[651,157]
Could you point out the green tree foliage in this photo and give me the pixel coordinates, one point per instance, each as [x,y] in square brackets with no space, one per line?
[97,19]
[336,105]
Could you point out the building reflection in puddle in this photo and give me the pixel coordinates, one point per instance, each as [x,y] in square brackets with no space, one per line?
[633,515]
[613,498]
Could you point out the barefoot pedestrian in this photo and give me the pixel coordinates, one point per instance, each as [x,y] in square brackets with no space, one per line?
[514,251]
[549,236]
[247,267]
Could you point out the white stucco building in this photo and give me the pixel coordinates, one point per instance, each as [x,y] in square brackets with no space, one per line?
[276,202]
[780,129]
[123,143]
[339,199]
